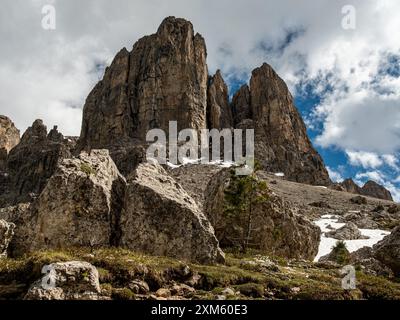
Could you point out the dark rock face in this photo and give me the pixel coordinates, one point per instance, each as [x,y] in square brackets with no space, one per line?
[241,104]
[219,113]
[370,189]
[33,161]
[164,78]
[9,138]
[387,251]
[281,141]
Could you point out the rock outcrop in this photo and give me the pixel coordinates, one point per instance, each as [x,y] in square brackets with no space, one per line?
[79,206]
[73,280]
[348,232]
[281,141]
[370,189]
[219,112]
[9,138]
[160,218]
[33,161]
[375,190]
[164,78]
[6,234]
[387,251]
[277,229]
[364,258]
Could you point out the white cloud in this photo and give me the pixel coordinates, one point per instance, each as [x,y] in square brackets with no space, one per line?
[391,161]
[370,175]
[46,74]
[364,159]
[334,175]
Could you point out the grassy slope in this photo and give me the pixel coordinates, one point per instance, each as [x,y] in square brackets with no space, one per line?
[117,268]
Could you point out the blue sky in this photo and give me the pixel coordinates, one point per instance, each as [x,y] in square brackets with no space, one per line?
[346,82]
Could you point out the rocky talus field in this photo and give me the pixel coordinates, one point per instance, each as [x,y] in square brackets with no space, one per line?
[91,218]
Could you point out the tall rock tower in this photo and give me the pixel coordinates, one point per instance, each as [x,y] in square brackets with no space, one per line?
[164,78]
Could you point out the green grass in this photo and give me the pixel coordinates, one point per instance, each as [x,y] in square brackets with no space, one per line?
[118,267]
[86,168]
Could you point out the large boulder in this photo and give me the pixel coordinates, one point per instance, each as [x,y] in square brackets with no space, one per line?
[34,160]
[164,78]
[349,231]
[387,251]
[364,258]
[73,280]
[6,234]
[281,141]
[278,228]
[160,218]
[79,206]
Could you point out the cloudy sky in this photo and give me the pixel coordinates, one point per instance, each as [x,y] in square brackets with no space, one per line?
[346,82]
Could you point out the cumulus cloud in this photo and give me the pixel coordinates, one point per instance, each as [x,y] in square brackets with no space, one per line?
[48,74]
[335,176]
[364,159]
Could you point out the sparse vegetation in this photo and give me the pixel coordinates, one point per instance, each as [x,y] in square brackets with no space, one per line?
[86,168]
[242,194]
[118,268]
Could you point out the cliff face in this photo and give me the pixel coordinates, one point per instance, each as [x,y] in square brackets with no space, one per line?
[163,78]
[9,138]
[281,141]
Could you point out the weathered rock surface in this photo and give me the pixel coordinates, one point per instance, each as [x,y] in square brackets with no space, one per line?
[370,189]
[364,258]
[278,229]
[375,190]
[74,280]
[164,78]
[9,138]
[160,218]
[33,161]
[281,141]
[219,112]
[79,206]
[241,105]
[360,219]
[348,232]
[6,234]
[387,251]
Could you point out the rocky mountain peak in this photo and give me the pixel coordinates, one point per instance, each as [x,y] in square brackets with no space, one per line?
[219,112]
[370,189]
[164,78]
[35,133]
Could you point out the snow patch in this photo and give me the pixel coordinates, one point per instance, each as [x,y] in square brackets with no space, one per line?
[326,244]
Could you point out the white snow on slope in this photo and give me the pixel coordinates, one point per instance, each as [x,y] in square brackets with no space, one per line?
[326,244]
